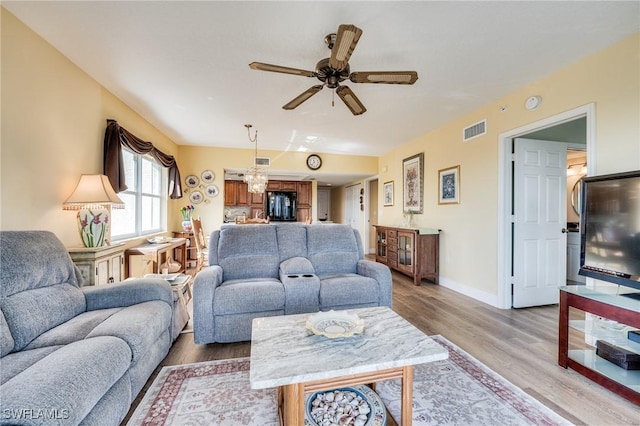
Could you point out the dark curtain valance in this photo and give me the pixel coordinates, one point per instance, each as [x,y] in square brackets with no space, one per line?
[114,138]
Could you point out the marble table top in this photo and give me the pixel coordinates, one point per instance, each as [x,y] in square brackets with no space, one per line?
[283,351]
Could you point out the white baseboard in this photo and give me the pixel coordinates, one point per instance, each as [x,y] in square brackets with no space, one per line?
[482,296]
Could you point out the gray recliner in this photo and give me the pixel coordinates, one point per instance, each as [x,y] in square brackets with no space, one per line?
[279,269]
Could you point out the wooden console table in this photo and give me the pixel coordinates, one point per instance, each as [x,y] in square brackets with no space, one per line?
[412,251]
[611,306]
[147,258]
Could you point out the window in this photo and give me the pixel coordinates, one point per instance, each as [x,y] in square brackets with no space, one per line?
[145,199]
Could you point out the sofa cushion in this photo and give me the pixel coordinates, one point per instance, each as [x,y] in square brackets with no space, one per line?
[40,287]
[248,251]
[348,289]
[139,325]
[15,363]
[6,339]
[77,328]
[292,240]
[332,248]
[70,380]
[31,313]
[248,295]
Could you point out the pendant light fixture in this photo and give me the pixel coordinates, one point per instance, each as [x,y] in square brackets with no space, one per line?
[255,177]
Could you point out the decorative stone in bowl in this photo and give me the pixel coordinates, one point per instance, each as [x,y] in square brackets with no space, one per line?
[348,406]
[334,324]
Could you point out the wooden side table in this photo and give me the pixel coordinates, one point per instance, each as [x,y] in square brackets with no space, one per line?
[147,258]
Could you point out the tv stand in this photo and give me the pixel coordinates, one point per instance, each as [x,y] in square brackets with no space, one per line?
[623,310]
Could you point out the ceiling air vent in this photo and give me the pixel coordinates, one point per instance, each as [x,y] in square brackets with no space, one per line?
[263,161]
[475,130]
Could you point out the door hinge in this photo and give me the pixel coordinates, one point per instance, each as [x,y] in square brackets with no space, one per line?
[513,218]
[513,157]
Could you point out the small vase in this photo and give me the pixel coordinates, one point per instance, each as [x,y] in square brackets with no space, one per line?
[186,225]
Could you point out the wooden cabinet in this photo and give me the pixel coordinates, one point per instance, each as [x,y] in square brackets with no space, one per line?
[192,251]
[230,189]
[619,314]
[235,193]
[100,265]
[304,194]
[413,252]
[147,258]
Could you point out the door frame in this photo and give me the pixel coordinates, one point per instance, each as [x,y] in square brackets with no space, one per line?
[505,185]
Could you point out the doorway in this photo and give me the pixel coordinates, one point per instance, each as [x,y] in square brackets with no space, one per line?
[506,189]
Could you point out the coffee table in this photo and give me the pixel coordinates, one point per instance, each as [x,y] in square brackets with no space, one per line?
[285,355]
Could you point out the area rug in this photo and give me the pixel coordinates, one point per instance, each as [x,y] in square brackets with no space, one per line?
[456,391]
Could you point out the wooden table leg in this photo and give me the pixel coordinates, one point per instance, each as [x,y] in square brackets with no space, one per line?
[293,405]
[407,395]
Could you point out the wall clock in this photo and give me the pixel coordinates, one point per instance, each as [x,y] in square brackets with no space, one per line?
[314,162]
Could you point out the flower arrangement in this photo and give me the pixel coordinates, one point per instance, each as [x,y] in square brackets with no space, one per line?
[187,211]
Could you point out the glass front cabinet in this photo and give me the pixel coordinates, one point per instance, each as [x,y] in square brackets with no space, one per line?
[413,252]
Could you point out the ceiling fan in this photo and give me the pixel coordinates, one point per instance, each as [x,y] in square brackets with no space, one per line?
[335,69]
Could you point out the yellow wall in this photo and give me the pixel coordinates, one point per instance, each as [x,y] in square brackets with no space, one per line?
[468,250]
[194,160]
[53,122]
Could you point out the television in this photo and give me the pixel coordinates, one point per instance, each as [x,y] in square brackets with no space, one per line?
[610,229]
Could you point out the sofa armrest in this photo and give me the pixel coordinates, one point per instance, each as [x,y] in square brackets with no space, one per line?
[204,290]
[382,274]
[127,293]
[296,265]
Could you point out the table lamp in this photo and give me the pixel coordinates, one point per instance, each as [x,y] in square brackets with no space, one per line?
[93,198]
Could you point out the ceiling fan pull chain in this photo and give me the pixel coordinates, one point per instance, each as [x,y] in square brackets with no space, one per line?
[333,98]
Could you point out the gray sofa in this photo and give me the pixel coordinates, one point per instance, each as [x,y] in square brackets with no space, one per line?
[73,355]
[278,269]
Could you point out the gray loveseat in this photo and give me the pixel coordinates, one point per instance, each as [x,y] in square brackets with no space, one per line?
[73,355]
[279,269]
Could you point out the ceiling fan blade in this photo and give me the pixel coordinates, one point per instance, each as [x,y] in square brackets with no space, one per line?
[303,97]
[386,77]
[260,66]
[350,100]
[346,39]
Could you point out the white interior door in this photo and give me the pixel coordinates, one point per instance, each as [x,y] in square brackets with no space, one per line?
[540,219]
[353,213]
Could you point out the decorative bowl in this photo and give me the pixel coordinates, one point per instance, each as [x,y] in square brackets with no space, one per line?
[335,324]
[376,415]
[159,240]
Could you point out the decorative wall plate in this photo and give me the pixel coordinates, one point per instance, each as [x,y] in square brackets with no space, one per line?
[192,181]
[207,176]
[196,197]
[335,324]
[211,191]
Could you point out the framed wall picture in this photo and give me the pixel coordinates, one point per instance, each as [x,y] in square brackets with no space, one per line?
[412,183]
[449,185]
[387,194]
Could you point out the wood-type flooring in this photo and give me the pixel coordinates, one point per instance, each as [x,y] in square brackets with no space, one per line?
[519,344]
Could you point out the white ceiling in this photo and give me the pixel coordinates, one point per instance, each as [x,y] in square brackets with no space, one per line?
[184,65]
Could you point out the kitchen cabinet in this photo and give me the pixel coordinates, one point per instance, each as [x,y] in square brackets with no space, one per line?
[304,194]
[99,265]
[235,193]
[413,252]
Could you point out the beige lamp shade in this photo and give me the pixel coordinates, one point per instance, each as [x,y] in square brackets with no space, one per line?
[93,191]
